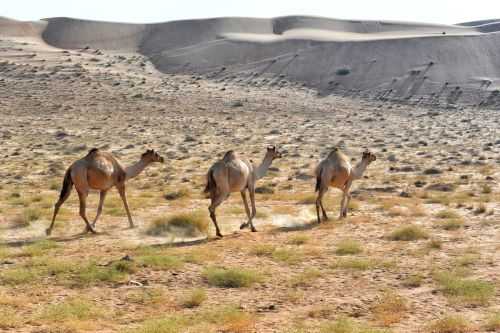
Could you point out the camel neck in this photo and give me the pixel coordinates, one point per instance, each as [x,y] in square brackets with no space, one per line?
[359,169]
[135,169]
[263,167]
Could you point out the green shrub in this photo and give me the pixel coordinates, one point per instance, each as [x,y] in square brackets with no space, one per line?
[468,291]
[408,233]
[231,277]
[346,247]
[194,298]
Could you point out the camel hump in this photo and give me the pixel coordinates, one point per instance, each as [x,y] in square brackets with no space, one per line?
[92,151]
[229,156]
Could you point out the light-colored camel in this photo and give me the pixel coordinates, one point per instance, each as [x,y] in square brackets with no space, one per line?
[100,171]
[336,171]
[232,174]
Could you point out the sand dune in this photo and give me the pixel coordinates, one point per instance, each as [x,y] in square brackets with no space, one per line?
[441,64]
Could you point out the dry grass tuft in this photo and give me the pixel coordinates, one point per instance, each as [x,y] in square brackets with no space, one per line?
[190,223]
[231,277]
[450,324]
[194,298]
[408,233]
[347,247]
[467,291]
[390,308]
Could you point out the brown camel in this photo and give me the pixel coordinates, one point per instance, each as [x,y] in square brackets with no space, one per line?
[232,174]
[336,171]
[100,171]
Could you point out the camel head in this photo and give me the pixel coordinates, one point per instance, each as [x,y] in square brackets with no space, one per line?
[151,156]
[368,156]
[273,152]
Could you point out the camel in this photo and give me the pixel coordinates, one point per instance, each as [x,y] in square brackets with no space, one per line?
[232,174]
[101,171]
[336,171]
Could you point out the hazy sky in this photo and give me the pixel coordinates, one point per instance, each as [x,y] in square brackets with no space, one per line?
[142,11]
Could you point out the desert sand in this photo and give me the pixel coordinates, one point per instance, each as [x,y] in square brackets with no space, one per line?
[419,251]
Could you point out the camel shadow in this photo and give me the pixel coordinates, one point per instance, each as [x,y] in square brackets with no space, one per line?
[194,242]
[298,227]
[30,241]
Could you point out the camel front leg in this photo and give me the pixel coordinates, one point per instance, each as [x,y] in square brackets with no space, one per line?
[102,196]
[123,195]
[254,210]
[347,193]
[82,195]
[247,210]
[216,201]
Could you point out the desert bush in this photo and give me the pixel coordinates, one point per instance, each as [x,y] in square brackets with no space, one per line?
[298,240]
[390,308]
[452,224]
[230,277]
[447,214]
[194,298]
[192,223]
[348,246]
[493,322]
[72,309]
[305,278]
[450,324]
[408,233]
[413,281]
[468,291]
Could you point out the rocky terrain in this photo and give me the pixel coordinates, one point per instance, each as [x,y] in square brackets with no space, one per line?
[419,251]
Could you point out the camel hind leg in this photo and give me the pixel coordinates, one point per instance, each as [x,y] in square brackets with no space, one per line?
[215,202]
[63,196]
[102,196]
[82,195]
[57,206]
[319,203]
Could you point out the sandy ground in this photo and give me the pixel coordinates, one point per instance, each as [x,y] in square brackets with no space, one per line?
[56,105]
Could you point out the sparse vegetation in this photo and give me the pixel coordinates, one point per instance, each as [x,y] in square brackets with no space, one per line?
[447,214]
[450,324]
[348,246]
[194,298]
[346,325]
[413,281]
[231,277]
[493,322]
[408,233]
[390,308]
[468,291]
[190,223]
[305,278]
[452,224]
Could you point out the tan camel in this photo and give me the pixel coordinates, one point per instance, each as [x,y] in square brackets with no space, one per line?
[232,174]
[336,171]
[100,171]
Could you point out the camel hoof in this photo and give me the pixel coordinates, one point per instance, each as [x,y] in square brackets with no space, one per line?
[219,235]
[48,231]
[254,230]
[243,226]
[87,229]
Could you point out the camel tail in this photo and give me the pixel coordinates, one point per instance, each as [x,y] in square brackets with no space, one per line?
[211,185]
[318,181]
[67,184]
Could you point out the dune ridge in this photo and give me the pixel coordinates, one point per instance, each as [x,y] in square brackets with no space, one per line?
[415,62]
